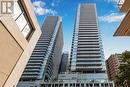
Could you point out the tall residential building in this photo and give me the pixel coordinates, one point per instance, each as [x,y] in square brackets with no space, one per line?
[44,62]
[87,64]
[87,53]
[64,62]
[124,27]
[19,33]
[112,64]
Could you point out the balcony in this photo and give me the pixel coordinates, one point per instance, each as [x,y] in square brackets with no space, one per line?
[31,77]
[124,27]
[88,46]
[89,55]
[89,67]
[88,59]
[32,70]
[124,5]
[30,73]
[88,63]
[88,52]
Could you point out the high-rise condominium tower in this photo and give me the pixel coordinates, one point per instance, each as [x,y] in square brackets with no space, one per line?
[86,53]
[87,65]
[45,59]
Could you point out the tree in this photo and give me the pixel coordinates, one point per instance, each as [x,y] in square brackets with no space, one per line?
[123,75]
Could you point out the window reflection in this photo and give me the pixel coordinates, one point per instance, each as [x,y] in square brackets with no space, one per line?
[26,30]
[21,22]
[20,18]
[17,10]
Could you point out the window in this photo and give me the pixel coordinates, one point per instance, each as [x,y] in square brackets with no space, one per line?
[21,19]
[26,30]
[96,85]
[111,85]
[87,85]
[17,11]
[91,85]
[82,85]
[21,22]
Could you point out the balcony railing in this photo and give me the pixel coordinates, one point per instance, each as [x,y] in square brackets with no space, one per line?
[90,67]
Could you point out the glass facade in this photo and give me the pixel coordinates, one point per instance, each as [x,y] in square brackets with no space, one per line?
[87,44]
[78,85]
[75,43]
[46,54]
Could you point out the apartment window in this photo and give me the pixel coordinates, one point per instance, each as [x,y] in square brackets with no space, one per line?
[21,19]
[106,85]
[66,85]
[21,22]
[56,85]
[26,30]
[91,85]
[111,85]
[49,85]
[96,85]
[82,85]
[87,85]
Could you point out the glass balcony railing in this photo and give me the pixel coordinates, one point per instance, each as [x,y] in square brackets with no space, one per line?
[91,67]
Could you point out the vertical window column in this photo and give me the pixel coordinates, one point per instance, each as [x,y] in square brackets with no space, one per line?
[21,20]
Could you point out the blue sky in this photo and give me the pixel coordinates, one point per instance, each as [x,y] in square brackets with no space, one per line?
[109,18]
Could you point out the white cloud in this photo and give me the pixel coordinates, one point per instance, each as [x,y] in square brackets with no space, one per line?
[113,17]
[39,8]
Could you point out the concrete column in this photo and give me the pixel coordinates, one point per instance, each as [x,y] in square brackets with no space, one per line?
[113,84]
[68,84]
[88,85]
[84,84]
[99,84]
[108,84]
[93,85]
